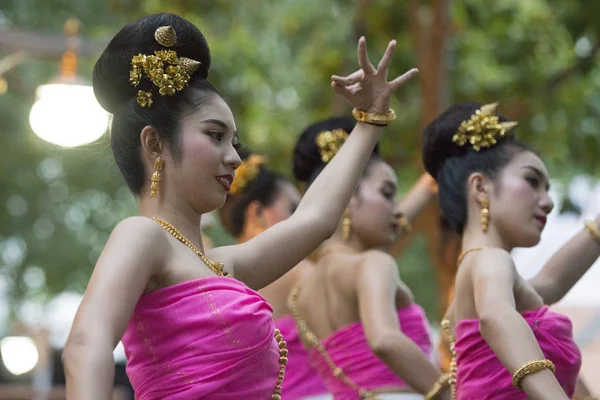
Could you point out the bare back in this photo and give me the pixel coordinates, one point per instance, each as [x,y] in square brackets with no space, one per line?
[329,299]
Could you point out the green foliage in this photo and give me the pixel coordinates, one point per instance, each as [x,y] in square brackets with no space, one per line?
[272,60]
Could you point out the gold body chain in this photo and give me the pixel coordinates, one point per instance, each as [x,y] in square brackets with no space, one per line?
[312,340]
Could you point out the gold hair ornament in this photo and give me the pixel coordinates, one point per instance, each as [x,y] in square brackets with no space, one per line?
[330,142]
[246,172]
[168,72]
[483,128]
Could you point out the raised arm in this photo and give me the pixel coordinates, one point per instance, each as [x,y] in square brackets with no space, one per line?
[271,254]
[494,278]
[133,253]
[377,285]
[567,266]
[418,197]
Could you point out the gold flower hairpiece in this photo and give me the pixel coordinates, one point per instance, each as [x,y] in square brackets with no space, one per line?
[330,142]
[483,128]
[247,172]
[168,72]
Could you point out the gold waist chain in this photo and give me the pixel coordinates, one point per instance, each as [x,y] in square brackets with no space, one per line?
[313,341]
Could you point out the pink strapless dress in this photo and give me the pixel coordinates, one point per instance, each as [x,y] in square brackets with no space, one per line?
[210,338]
[481,376]
[349,349]
[301,380]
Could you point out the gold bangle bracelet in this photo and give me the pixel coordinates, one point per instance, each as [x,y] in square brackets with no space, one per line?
[438,387]
[593,229]
[531,367]
[379,119]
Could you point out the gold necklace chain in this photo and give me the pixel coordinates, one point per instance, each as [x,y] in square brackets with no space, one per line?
[447,328]
[310,337]
[217,268]
[462,255]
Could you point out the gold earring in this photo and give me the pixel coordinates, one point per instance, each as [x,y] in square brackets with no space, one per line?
[346,226]
[485,214]
[156,177]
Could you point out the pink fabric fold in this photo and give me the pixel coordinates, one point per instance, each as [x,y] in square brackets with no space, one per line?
[210,338]
[301,380]
[481,376]
[349,349]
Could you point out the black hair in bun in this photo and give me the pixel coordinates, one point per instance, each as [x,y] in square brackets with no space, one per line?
[451,164]
[307,157]
[116,94]
[111,72]
[264,188]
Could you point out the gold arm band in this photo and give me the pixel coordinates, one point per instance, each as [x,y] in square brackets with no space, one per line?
[593,229]
[378,119]
[438,387]
[531,367]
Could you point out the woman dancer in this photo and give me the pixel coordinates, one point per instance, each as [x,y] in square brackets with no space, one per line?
[190,331]
[367,337]
[493,191]
[259,199]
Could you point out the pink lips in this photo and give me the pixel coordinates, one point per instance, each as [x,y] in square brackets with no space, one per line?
[225,181]
[542,220]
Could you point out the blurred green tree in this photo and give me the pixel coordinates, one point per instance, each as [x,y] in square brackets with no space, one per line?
[272,60]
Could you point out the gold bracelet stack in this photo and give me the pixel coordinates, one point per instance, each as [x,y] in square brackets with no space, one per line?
[531,367]
[593,229]
[438,387]
[379,119]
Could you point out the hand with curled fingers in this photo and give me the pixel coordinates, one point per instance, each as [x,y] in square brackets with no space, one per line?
[368,88]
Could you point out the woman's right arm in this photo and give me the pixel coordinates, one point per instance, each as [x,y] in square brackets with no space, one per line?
[132,254]
[377,285]
[494,278]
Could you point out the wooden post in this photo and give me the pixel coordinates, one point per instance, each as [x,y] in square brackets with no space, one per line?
[430,23]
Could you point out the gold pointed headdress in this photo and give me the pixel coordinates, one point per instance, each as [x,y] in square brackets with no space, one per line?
[247,172]
[330,142]
[168,72]
[483,128]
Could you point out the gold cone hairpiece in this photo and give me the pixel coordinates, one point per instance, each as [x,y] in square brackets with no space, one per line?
[166,36]
[483,128]
[330,142]
[168,72]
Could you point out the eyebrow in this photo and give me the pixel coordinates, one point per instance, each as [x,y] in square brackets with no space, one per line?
[220,124]
[540,174]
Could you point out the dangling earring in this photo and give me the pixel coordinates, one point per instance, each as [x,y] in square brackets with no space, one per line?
[346,226]
[156,177]
[485,214]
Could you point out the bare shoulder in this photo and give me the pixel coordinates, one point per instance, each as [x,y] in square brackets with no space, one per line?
[379,263]
[138,230]
[492,262]
[138,238]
